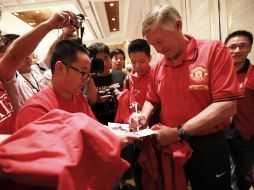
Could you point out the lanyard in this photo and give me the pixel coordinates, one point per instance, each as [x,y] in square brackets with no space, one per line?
[37,87]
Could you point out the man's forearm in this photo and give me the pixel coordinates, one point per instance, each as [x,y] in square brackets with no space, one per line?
[147,109]
[20,49]
[210,117]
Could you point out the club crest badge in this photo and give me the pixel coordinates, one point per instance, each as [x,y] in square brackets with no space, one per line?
[199,74]
[198,78]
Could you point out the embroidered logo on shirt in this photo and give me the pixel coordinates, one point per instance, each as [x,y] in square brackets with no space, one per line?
[6,109]
[198,78]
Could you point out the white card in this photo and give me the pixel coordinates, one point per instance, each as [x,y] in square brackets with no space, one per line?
[121,129]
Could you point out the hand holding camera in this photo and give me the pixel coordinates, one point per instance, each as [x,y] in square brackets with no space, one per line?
[107,94]
[60,20]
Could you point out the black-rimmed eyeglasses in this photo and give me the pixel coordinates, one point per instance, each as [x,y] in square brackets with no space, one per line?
[83,75]
[242,46]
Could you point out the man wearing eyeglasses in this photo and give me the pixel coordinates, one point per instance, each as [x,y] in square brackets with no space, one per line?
[240,135]
[70,66]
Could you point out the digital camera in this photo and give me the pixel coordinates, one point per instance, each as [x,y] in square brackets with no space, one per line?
[77,21]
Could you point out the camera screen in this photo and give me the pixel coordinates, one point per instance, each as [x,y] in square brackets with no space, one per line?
[97,65]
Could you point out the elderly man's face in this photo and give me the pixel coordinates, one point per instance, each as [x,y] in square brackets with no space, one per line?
[165,42]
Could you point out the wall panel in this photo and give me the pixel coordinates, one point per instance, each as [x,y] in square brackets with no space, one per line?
[242,18]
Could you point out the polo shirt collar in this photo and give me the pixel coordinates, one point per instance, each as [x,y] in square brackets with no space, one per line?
[245,67]
[190,54]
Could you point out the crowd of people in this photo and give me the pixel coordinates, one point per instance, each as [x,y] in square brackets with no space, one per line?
[198,98]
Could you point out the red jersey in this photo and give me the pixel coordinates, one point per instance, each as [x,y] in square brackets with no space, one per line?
[46,100]
[138,86]
[205,74]
[244,119]
[7,116]
[134,92]
[64,151]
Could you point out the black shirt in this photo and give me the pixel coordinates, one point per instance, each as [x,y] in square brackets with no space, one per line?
[106,112]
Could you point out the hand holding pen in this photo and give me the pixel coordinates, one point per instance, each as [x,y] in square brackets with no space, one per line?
[137,120]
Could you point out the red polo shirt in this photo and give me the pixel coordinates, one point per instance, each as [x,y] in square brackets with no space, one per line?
[205,75]
[244,119]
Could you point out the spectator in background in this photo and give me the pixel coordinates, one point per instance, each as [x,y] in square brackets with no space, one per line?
[240,135]
[17,53]
[137,82]
[7,114]
[196,85]
[108,84]
[118,59]
[132,100]
[28,78]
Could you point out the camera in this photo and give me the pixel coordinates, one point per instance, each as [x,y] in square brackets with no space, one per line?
[97,65]
[77,21]
[108,91]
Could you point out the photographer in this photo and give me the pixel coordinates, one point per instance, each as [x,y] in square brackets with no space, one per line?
[109,84]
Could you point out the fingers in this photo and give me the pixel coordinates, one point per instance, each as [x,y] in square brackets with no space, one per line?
[61,19]
[104,98]
[137,120]
[127,139]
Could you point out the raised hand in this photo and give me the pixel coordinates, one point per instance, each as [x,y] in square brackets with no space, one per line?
[60,19]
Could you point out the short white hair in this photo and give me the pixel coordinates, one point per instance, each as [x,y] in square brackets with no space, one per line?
[163,15]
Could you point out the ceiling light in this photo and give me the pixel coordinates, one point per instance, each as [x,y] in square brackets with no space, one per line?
[114,29]
[32,1]
[111,4]
[16,14]
[32,23]
[127,42]
[37,12]
[113,19]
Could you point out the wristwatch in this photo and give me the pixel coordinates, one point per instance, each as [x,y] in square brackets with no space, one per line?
[182,134]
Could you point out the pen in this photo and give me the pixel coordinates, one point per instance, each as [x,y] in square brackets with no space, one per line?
[136,110]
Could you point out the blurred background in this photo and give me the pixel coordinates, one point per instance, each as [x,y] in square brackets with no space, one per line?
[116,22]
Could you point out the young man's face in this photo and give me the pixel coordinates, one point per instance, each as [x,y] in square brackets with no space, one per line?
[107,62]
[118,62]
[140,62]
[75,77]
[239,47]
[165,42]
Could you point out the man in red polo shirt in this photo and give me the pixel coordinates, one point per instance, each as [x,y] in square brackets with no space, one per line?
[196,84]
[240,135]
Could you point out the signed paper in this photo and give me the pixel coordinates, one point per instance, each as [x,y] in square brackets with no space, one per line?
[121,129]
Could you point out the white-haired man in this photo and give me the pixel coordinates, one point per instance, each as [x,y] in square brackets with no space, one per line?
[196,85]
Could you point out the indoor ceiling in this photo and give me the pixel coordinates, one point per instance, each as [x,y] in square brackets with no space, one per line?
[108,21]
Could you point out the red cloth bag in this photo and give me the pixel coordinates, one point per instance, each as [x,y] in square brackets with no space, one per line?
[67,151]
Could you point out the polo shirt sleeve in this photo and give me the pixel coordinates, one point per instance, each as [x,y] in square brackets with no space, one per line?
[250,78]
[27,115]
[153,87]
[223,81]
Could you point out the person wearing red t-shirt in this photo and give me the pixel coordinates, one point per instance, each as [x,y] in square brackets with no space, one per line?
[133,98]
[196,85]
[7,115]
[136,84]
[240,135]
[70,66]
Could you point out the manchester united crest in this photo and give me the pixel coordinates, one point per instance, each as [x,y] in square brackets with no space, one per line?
[198,78]
[199,74]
